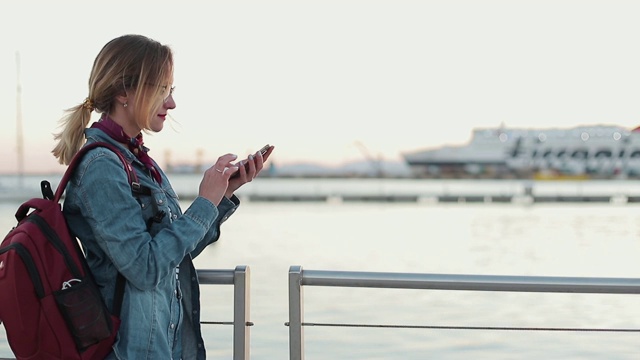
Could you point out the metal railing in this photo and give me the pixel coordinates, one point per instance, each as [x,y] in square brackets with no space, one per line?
[240,279]
[299,278]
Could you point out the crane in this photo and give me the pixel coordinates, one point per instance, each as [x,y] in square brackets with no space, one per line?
[376,163]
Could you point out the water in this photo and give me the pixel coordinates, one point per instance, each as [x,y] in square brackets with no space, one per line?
[591,240]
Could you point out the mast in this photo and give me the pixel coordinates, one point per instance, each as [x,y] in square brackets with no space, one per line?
[19,134]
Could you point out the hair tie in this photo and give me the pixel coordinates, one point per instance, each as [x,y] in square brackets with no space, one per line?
[88,104]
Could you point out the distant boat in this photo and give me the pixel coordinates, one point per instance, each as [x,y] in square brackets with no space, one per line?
[599,151]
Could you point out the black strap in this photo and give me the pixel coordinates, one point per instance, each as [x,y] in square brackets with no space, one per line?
[45,187]
[118,295]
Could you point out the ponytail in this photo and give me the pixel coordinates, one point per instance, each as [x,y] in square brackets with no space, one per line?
[71,138]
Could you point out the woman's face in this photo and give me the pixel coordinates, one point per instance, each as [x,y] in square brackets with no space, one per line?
[160,114]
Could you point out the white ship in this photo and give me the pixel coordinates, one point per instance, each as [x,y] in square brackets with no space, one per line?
[599,151]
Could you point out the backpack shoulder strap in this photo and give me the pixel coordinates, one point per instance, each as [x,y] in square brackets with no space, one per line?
[131,174]
[133,181]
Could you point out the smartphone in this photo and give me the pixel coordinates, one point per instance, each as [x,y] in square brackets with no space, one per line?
[246,164]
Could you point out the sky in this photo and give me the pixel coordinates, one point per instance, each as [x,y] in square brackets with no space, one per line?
[329,81]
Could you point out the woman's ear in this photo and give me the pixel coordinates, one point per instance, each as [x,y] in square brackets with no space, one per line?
[122,99]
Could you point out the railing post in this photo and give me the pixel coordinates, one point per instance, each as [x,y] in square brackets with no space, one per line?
[241,300]
[296,315]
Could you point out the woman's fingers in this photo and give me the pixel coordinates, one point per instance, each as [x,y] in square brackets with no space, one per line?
[216,178]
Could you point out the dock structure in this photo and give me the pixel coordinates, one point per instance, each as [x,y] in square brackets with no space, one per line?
[448,192]
[434,199]
[402,190]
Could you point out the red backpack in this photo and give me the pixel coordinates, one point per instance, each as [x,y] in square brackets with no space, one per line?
[50,305]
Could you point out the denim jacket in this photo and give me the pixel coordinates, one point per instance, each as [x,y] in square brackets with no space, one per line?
[124,233]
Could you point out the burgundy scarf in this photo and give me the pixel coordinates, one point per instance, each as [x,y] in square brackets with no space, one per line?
[136,145]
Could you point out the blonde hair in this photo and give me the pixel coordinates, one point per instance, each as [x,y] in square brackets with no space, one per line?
[122,65]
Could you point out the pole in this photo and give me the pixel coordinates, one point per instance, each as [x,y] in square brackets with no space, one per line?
[19,133]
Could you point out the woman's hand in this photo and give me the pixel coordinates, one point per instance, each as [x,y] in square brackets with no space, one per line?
[246,173]
[215,182]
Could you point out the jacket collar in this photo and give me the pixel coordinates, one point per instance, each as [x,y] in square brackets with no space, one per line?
[96,135]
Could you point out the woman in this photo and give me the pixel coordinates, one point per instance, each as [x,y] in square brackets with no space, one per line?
[143,236]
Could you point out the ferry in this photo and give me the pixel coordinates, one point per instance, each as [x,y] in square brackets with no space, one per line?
[581,152]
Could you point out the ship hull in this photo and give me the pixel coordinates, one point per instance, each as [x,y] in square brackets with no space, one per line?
[600,151]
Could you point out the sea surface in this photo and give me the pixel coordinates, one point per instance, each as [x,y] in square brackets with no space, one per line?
[550,239]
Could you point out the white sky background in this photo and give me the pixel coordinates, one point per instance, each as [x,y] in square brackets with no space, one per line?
[315,77]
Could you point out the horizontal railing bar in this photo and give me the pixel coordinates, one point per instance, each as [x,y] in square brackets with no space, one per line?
[471,282]
[216,276]
[462,327]
[248,323]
